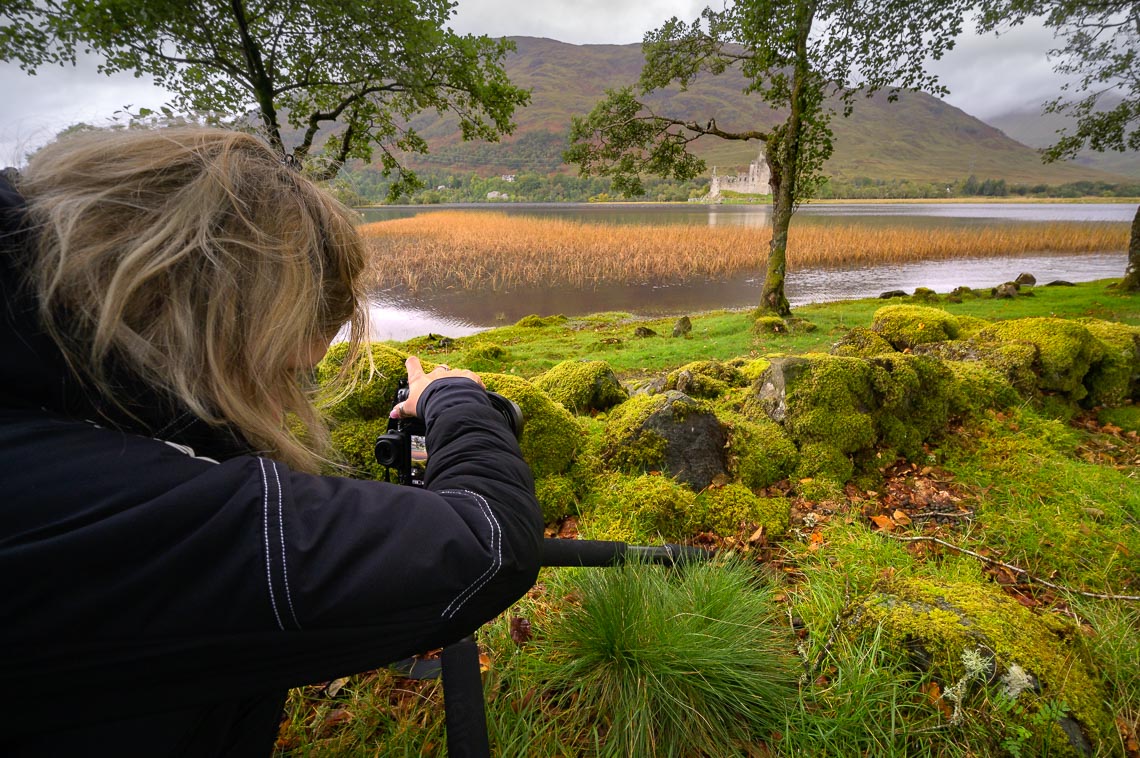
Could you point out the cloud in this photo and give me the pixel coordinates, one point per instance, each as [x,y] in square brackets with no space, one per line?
[616,22]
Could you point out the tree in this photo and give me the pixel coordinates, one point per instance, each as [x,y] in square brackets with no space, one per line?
[1100,47]
[794,55]
[350,74]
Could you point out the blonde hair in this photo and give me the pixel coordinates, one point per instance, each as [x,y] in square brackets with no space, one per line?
[199,262]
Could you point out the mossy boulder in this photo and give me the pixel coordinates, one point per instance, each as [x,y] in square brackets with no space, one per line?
[820,398]
[1115,378]
[537,322]
[729,509]
[672,433]
[861,342]
[354,441]
[769,325]
[582,386]
[818,460]
[905,326]
[976,641]
[750,368]
[760,452]
[375,390]
[556,497]
[551,437]
[640,508]
[913,397]
[1065,350]
[705,379]
[979,388]
[1015,362]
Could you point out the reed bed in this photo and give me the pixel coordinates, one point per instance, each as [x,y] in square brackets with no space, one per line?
[487,250]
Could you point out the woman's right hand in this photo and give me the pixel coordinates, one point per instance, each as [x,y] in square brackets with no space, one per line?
[418,381]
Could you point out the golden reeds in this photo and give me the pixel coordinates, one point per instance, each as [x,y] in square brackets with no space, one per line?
[486,250]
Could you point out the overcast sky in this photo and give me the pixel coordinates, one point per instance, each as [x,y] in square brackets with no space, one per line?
[987,76]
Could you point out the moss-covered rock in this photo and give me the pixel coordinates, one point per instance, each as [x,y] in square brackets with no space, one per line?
[1015,362]
[769,325]
[750,368]
[914,395]
[1065,350]
[551,437]
[556,497]
[1115,378]
[375,390]
[640,508]
[672,433]
[820,398]
[819,460]
[705,379]
[970,635]
[760,452]
[582,386]
[537,322]
[905,326]
[968,326]
[979,388]
[861,342]
[354,441]
[727,510]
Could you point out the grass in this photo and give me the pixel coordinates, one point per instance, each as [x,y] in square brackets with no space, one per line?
[754,659]
[463,250]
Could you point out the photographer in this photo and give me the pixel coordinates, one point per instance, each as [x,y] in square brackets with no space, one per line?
[170,560]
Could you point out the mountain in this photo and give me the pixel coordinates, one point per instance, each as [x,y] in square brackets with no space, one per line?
[1032,127]
[919,137]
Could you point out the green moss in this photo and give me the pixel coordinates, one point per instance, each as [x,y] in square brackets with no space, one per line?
[582,386]
[375,391]
[760,452]
[535,322]
[946,619]
[861,342]
[355,444]
[1116,376]
[769,325]
[1126,417]
[905,326]
[705,379]
[820,488]
[641,506]
[914,396]
[750,369]
[728,509]
[968,326]
[831,403]
[979,388]
[626,446]
[1065,350]
[486,356]
[556,496]
[551,437]
[821,460]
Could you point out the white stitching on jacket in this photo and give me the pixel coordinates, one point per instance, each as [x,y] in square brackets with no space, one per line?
[265,531]
[281,529]
[496,559]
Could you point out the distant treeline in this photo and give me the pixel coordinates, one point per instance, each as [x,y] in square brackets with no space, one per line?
[367,186]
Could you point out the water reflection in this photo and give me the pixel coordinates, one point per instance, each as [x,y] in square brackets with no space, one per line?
[455,314]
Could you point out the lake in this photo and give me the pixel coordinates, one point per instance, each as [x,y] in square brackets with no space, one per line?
[396,316]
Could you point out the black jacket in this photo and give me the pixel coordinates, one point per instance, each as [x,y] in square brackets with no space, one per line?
[159,585]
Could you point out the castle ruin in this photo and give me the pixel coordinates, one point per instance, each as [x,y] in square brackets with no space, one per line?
[755,182]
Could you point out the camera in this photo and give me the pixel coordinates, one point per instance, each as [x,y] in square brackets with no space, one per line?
[403,447]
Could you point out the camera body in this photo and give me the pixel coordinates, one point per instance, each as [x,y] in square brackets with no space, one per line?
[403,447]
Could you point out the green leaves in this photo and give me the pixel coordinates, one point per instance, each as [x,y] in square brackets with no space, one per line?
[349,77]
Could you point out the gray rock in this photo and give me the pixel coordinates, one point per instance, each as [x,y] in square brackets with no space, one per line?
[892,293]
[1025,279]
[682,327]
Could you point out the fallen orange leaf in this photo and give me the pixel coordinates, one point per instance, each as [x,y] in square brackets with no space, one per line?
[883,522]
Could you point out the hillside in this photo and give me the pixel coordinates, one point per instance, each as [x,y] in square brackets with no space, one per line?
[918,137]
[1037,129]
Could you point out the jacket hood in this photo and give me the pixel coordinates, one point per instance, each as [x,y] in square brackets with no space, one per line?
[34,374]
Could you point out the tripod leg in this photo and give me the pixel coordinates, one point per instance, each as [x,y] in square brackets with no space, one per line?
[464,715]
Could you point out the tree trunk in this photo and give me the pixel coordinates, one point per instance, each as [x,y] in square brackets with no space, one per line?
[1131,281]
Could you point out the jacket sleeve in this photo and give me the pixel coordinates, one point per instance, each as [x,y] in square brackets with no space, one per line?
[134,575]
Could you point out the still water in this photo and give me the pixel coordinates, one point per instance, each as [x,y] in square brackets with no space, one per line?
[396,316]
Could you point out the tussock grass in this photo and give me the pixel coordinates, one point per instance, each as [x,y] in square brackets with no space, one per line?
[463,250]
